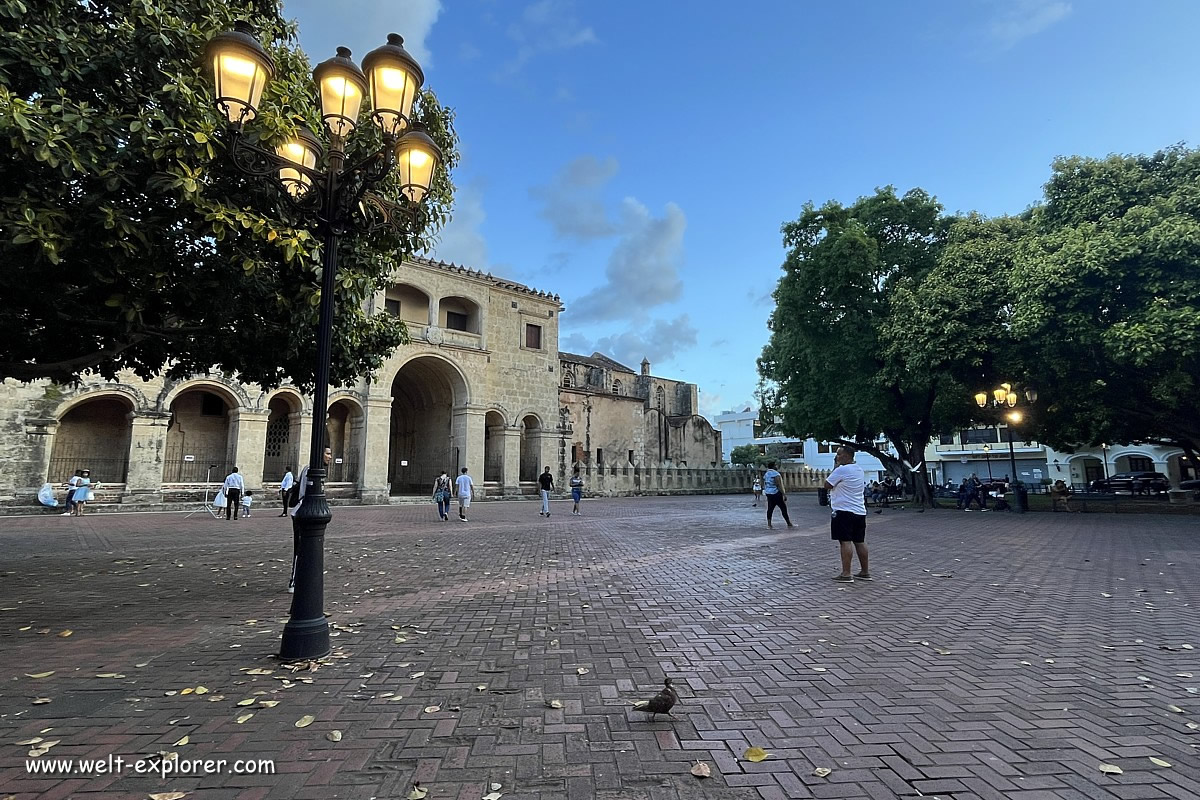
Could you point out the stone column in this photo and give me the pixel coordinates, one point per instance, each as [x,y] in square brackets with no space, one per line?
[301,423]
[249,429]
[147,443]
[376,449]
[466,433]
[512,460]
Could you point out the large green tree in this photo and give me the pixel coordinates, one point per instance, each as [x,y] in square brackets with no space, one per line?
[886,314]
[128,240]
[1106,294]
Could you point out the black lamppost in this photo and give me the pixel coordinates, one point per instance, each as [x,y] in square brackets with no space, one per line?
[987,456]
[1004,397]
[338,202]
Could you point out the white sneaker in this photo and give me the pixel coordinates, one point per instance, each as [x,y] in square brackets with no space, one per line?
[65,514]
[462,519]
[291,590]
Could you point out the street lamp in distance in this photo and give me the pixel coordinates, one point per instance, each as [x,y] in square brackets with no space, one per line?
[337,200]
[1005,396]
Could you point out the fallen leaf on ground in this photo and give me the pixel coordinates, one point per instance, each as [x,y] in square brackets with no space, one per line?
[268,703]
[334,736]
[1158,762]
[188,690]
[582,671]
[168,796]
[1105,594]
[181,742]
[556,704]
[1175,709]
[417,675]
[28,742]
[1183,674]
[495,787]
[243,718]
[249,701]
[818,669]
[41,701]
[39,674]
[119,675]
[481,687]
[1111,769]
[702,770]
[65,634]
[259,671]
[305,721]
[492,796]
[432,709]
[1187,647]
[755,754]
[418,793]
[201,690]
[822,772]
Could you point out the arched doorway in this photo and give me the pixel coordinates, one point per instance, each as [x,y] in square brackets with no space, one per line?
[425,393]
[282,449]
[531,448]
[93,435]
[343,428]
[493,448]
[198,438]
[1085,469]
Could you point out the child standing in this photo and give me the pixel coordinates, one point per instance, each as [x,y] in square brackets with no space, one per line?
[247,499]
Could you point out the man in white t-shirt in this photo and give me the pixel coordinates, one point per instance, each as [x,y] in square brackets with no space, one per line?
[849,524]
[466,487]
[285,486]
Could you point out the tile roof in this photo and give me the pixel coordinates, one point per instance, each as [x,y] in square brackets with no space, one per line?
[502,283]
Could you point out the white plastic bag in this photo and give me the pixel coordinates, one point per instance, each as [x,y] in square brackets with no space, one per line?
[90,495]
[46,496]
[219,501]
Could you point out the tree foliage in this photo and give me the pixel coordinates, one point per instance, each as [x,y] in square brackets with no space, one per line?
[128,239]
[744,455]
[1106,294]
[886,312]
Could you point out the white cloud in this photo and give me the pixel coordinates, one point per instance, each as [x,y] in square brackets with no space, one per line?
[544,27]
[660,340]
[642,270]
[1020,19]
[461,241]
[573,201]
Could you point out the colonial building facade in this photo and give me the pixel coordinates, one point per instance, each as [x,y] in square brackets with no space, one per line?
[478,386]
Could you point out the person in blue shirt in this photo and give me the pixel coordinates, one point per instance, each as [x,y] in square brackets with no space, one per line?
[776,494]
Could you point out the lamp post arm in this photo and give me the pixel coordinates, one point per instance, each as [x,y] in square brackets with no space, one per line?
[257,161]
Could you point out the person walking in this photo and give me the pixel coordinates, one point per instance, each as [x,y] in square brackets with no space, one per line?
[466,489]
[757,489]
[441,495]
[776,494]
[291,505]
[285,486]
[545,486]
[848,527]
[576,491]
[233,488]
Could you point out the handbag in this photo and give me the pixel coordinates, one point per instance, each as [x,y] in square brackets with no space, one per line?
[219,501]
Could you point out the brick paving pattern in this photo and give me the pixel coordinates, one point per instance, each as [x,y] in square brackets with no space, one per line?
[994,656]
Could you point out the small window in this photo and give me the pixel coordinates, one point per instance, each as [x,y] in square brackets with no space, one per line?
[823,447]
[533,336]
[456,321]
[211,405]
[616,387]
[1140,464]
[946,438]
[660,399]
[630,456]
[392,307]
[599,455]
[574,454]
[568,380]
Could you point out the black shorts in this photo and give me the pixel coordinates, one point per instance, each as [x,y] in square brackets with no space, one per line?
[847,527]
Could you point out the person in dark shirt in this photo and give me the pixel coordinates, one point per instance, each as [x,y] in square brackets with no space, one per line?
[546,485]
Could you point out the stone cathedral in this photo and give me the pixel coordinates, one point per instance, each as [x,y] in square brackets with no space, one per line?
[482,385]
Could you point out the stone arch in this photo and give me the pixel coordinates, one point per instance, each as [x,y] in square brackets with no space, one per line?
[1084,468]
[201,442]
[138,401]
[344,426]
[532,431]
[617,387]
[1120,461]
[408,302]
[299,403]
[282,446]
[427,389]
[94,431]
[232,393]
[468,314]
[494,425]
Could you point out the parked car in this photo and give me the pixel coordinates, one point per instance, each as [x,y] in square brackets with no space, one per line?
[1144,482]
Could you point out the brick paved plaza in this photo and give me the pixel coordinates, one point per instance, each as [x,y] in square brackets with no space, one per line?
[994,656]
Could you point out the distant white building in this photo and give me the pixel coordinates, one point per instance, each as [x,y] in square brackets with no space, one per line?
[740,427]
[737,428]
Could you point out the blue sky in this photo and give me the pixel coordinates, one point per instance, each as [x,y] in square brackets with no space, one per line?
[638,158]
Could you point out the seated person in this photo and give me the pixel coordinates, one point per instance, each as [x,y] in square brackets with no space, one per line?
[1060,496]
